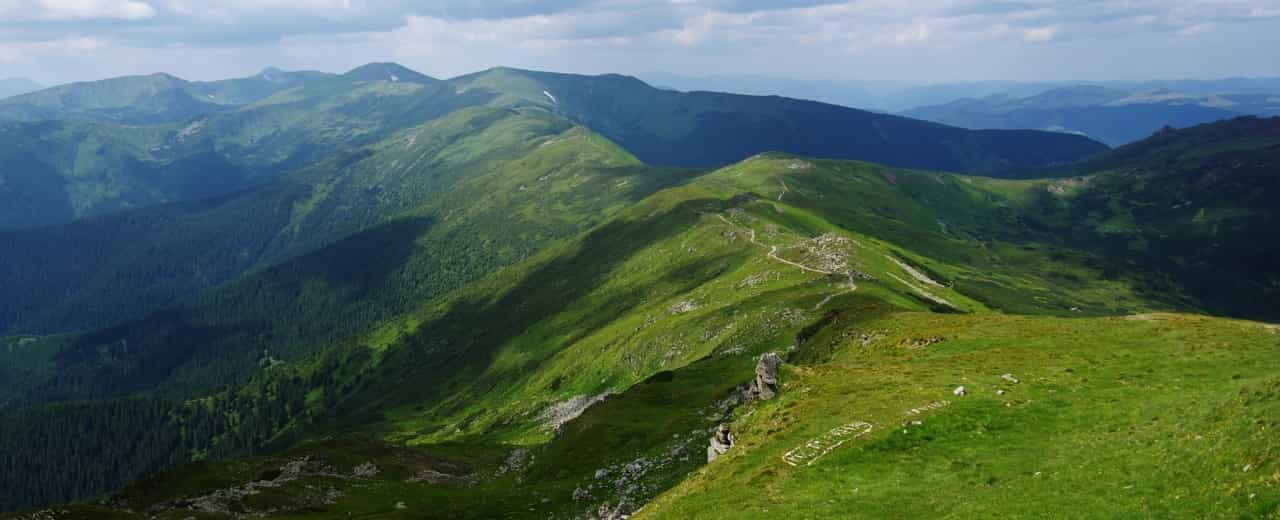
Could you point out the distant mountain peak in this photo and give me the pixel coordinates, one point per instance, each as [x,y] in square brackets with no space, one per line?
[271,73]
[388,71]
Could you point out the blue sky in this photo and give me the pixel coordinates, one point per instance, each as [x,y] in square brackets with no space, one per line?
[919,40]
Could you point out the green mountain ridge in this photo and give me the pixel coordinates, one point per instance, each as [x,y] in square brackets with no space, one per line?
[62,173]
[707,129]
[154,98]
[477,297]
[693,281]
[319,126]
[207,139]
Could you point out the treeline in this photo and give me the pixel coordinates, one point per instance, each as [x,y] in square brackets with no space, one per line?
[75,451]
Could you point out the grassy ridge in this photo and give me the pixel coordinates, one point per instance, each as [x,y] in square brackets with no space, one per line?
[709,129]
[68,167]
[498,208]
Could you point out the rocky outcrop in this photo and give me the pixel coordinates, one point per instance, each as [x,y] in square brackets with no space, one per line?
[558,414]
[721,442]
[765,385]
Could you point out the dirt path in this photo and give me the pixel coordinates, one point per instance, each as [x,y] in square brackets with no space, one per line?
[785,189]
[773,255]
[773,250]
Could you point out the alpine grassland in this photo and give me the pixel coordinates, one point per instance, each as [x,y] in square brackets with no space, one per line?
[529,295]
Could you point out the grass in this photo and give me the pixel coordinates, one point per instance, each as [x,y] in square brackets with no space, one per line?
[1113,417]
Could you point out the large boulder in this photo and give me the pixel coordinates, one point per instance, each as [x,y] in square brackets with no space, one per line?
[765,385]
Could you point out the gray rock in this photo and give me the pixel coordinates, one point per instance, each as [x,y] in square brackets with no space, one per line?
[765,385]
[960,390]
[366,470]
[721,442]
[1010,378]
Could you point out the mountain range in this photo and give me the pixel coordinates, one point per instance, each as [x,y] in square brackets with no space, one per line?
[1112,116]
[82,150]
[530,294]
[901,96]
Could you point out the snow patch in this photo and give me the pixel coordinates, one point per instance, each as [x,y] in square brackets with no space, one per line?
[551,97]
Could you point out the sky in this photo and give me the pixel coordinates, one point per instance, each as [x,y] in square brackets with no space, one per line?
[924,41]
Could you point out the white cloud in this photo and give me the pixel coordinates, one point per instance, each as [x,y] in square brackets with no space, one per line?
[877,38]
[91,9]
[1040,34]
[1196,29]
[917,32]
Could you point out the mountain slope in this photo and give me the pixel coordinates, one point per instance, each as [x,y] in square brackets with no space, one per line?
[61,170]
[553,328]
[714,265]
[703,129]
[1195,204]
[192,140]
[91,273]
[467,404]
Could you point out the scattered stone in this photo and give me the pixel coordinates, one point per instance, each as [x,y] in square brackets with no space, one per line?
[401,506]
[619,512]
[960,390]
[683,307]
[721,442]
[515,462]
[433,477]
[560,413]
[1001,392]
[581,494]
[1248,468]
[232,501]
[1010,378]
[366,470]
[602,473]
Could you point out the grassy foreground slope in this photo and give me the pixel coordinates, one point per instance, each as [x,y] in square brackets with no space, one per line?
[1155,415]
